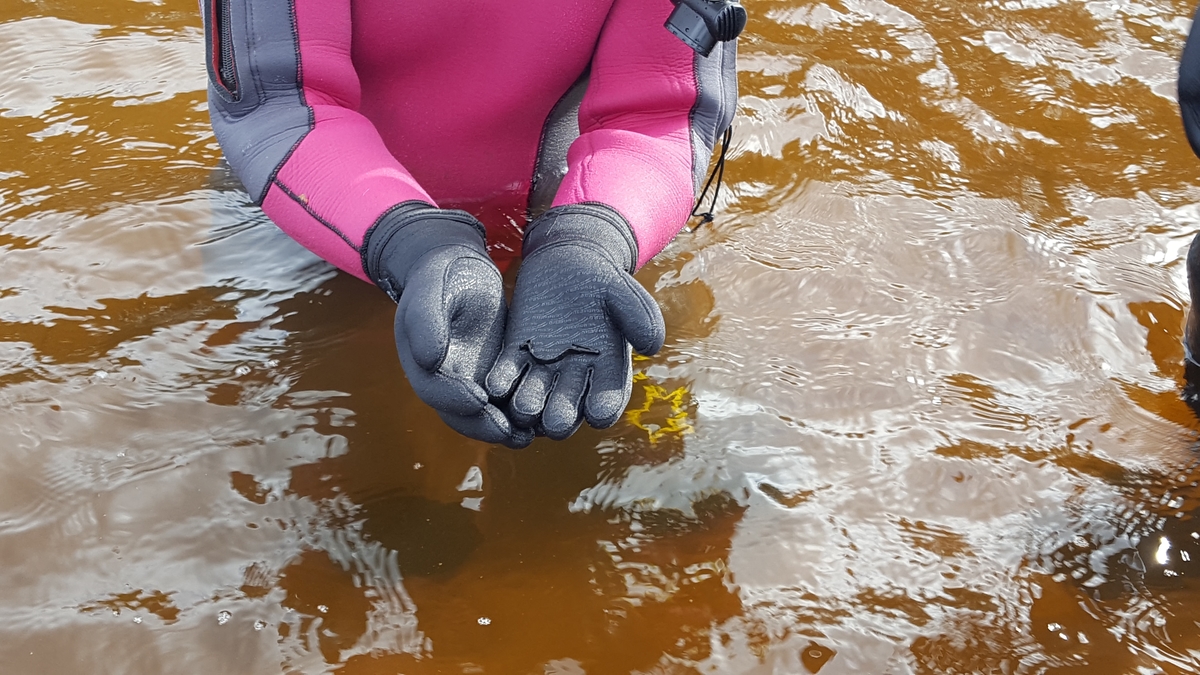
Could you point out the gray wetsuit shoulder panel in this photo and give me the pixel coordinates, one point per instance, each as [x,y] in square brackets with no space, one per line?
[264,117]
[558,132]
[716,103]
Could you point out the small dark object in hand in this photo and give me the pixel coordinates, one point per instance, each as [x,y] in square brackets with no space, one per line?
[701,24]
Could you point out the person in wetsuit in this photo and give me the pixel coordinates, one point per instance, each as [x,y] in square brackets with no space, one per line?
[1189,108]
[418,144]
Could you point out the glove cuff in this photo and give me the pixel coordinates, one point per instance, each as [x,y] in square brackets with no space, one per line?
[408,231]
[588,222]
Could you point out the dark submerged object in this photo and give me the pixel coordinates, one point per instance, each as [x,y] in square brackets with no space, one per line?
[1189,92]
[1191,330]
[1189,110]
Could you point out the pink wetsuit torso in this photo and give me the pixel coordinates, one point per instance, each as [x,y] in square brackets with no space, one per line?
[332,112]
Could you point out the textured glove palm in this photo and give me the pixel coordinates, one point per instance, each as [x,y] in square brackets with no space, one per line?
[450,313]
[576,311]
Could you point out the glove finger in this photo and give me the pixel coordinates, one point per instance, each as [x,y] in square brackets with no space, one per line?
[530,398]
[444,393]
[562,415]
[504,376]
[636,315]
[489,426]
[520,438]
[609,391]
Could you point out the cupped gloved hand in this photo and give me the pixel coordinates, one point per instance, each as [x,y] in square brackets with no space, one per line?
[575,313]
[449,314]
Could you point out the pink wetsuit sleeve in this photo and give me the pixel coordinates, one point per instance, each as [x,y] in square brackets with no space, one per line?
[284,97]
[648,123]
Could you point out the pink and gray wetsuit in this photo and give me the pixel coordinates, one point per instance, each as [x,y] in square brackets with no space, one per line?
[332,112]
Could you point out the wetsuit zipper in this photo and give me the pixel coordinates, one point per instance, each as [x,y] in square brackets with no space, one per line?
[226,66]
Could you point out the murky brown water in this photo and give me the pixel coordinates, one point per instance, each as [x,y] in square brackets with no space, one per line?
[918,411]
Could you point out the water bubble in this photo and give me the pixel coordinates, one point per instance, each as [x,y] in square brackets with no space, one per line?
[322,609]
[271,363]
[260,624]
[241,370]
[223,618]
[101,374]
[137,619]
[483,621]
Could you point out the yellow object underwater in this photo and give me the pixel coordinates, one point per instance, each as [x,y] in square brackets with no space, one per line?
[675,422]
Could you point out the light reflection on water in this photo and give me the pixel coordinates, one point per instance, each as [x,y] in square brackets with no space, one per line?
[918,411]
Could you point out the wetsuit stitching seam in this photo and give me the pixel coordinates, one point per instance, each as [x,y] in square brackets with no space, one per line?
[312,118]
[252,63]
[307,209]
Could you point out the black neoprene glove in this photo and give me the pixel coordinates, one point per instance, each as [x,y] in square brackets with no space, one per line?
[449,313]
[575,313]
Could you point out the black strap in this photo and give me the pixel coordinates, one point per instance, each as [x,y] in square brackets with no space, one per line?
[718,173]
